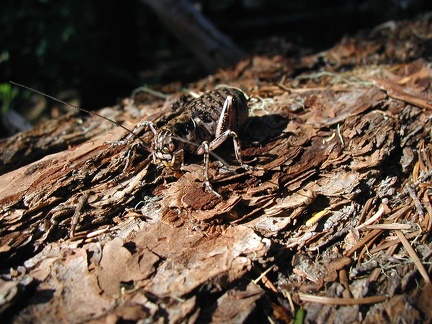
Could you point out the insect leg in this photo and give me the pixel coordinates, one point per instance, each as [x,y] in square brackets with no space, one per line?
[133,134]
[222,138]
[75,218]
[128,156]
[176,162]
[137,130]
[227,121]
[218,141]
[205,146]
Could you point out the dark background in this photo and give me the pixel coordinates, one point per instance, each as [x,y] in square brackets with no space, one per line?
[102,50]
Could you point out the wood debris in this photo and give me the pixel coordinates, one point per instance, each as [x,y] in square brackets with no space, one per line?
[337,204]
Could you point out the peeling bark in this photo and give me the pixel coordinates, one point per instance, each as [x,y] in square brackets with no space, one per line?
[334,213]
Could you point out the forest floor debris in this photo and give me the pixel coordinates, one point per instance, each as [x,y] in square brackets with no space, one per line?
[332,222]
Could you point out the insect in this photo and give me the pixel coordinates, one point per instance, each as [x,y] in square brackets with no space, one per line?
[204,124]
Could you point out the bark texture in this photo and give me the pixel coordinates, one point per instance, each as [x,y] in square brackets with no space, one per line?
[334,217]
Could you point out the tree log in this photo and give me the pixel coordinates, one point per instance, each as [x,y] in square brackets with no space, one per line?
[213,48]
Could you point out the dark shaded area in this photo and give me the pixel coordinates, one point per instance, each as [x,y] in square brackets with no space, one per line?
[103,50]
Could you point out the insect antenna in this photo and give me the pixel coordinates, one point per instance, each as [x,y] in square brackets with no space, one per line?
[82,109]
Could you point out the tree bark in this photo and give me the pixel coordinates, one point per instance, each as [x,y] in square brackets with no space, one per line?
[213,48]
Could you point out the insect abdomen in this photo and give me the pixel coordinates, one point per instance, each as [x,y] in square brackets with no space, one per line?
[208,107]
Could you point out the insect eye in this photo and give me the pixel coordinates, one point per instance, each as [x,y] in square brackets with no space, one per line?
[171,147]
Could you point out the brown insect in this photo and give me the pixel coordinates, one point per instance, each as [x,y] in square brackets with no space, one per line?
[205,123]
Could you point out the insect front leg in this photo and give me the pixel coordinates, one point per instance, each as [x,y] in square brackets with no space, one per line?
[176,162]
[133,134]
[137,130]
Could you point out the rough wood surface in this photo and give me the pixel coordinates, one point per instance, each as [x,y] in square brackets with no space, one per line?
[333,219]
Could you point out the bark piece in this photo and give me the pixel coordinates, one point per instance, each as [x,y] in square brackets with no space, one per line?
[398,309]
[234,306]
[224,259]
[119,266]
[67,283]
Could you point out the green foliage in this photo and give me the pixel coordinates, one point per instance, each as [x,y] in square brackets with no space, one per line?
[89,46]
[43,35]
[7,95]
[300,315]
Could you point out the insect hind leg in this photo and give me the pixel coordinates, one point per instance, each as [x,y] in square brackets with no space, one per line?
[225,125]
[221,139]
[205,146]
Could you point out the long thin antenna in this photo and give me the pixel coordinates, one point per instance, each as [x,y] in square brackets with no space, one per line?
[79,108]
